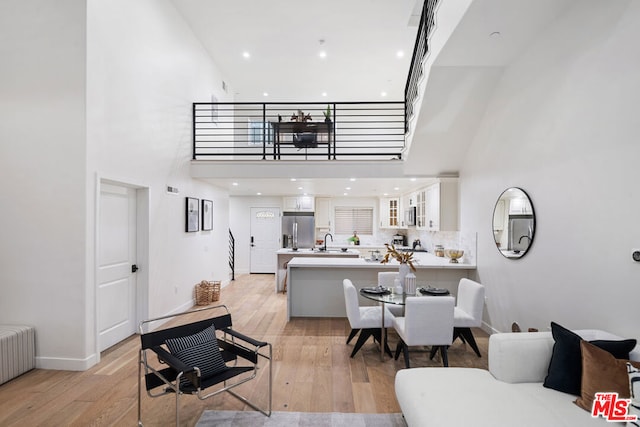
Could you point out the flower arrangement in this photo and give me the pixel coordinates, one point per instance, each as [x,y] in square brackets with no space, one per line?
[401,257]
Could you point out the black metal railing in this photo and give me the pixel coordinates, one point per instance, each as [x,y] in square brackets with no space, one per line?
[232,255]
[309,130]
[420,49]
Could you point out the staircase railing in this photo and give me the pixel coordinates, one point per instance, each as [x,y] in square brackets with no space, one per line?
[420,49]
[232,255]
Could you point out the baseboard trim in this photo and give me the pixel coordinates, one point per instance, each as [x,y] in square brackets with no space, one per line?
[66,364]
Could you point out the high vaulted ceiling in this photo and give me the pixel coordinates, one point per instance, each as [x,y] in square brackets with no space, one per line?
[284,38]
[361,39]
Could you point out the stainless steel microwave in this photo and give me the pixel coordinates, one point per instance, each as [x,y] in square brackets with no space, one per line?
[410,216]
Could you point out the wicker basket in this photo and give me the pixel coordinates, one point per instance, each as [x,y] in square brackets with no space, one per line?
[215,291]
[204,291]
[207,292]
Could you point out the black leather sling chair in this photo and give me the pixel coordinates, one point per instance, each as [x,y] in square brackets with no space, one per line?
[200,358]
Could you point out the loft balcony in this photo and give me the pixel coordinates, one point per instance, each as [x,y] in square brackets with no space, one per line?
[365,139]
[242,131]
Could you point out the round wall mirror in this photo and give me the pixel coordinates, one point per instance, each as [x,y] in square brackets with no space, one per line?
[514,223]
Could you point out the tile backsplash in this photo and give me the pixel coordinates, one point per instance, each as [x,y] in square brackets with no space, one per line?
[467,241]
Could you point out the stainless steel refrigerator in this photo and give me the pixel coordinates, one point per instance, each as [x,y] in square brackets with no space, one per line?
[298,230]
[520,232]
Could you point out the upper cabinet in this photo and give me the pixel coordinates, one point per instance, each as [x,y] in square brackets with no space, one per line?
[391,215]
[421,209]
[323,212]
[299,204]
[437,207]
[520,206]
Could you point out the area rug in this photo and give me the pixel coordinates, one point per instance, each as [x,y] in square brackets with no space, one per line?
[300,419]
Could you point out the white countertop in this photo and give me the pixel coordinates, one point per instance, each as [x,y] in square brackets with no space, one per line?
[422,261]
[308,252]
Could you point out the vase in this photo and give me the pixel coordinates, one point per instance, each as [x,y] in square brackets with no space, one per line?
[410,284]
[403,270]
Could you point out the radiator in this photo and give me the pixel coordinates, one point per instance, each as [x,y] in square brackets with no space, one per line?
[17,351]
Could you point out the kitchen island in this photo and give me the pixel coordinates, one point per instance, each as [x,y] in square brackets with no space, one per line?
[315,284]
[285,255]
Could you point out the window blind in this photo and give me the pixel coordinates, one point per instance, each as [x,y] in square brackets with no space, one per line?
[349,219]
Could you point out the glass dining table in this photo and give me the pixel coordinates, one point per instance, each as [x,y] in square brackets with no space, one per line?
[374,293]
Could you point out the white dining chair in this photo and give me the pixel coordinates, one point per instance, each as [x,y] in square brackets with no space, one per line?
[366,320]
[468,312]
[427,321]
[386,279]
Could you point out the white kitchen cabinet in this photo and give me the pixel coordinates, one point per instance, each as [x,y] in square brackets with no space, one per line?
[391,212]
[323,212]
[520,206]
[421,209]
[299,204]
[437,207]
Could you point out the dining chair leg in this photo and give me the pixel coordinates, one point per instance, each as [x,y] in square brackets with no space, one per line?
[404,348]
[405,351]
[466,335]
[353,333]
[445,358]
[377,337]
[458,334]
[362,338]
[398,349]
[434,350]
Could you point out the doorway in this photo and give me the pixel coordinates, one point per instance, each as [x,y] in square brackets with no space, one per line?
[122,219]
[265,239]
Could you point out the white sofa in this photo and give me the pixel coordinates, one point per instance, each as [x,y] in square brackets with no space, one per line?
[510,393]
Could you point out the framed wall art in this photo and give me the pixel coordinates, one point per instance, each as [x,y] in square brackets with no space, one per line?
[207,215]
[192,214]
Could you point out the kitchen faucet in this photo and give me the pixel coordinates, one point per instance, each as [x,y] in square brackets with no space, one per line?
[521,237]
[325,241]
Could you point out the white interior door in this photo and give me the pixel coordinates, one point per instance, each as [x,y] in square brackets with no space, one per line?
[116,293]
[265,239]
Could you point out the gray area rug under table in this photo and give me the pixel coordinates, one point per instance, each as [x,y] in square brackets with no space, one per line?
[306,419]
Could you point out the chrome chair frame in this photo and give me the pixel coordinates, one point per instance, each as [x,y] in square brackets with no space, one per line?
[232,344]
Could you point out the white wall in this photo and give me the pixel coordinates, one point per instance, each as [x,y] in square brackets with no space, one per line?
[42,152]
[564,126]
[96,89]
[145,68]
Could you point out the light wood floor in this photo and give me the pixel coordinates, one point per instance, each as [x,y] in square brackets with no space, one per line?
[312,372]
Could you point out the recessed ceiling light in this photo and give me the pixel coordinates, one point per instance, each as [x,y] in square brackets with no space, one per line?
[400,53]
[324,93]
[396,188]
[322,54]
[352,179]
[299,188]
[304,194]
[259,194]
[246,55]
[345,194]
[235,184]
[383,93]
[293,179]
[413,179]
[265,94]
[385,194]
[347,188]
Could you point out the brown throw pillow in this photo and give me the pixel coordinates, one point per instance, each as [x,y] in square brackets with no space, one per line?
[601,372]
